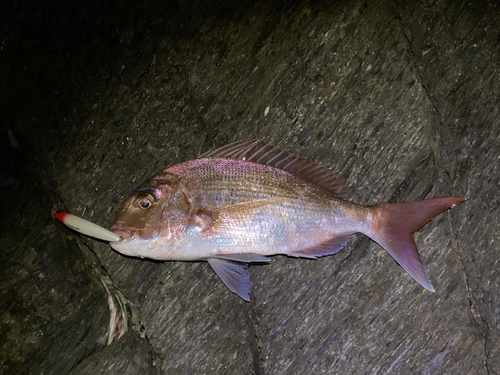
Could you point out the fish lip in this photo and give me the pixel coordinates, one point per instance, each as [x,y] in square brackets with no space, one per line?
[122,234]
[122,231]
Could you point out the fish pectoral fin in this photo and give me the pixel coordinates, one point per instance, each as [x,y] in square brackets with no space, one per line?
[245,257]
[202,221]
[234,275]
[323,249]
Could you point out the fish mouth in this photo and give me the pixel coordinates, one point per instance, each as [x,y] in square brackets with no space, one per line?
[123,231]
[130,243]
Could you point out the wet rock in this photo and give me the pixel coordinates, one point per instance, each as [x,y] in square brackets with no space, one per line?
[402,97]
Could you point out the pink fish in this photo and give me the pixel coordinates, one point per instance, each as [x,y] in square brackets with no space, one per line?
[249,200]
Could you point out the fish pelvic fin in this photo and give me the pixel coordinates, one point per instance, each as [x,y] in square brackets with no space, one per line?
[234,275]
[394,223]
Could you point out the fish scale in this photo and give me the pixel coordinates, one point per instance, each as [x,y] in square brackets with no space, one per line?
[242,181]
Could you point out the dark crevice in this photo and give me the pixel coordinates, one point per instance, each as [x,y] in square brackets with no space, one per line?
[417,65]
[98,270]
[411,177]
[81,360]
[255,340]
[436,145]
[435,137]
[156,359]
[356,250]
[474,307]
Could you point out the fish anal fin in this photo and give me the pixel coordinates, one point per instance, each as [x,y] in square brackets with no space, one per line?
[234,275]
[329,247]
[245,257]
[257,151]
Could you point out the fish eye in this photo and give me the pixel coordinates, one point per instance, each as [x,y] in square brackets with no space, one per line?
[145,202]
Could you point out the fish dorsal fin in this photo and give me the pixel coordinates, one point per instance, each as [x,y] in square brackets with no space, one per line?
[258,151]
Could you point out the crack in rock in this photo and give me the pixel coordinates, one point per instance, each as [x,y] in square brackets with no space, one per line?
[474,307]
[255,340]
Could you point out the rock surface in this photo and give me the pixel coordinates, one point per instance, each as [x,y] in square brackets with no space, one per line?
[402,97]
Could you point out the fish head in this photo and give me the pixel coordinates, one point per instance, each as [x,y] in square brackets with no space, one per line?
[150,217]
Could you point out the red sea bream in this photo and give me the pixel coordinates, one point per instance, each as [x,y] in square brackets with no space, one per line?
[249,200]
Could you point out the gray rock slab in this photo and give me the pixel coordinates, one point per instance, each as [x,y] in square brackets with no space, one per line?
[401,97]
[53,311]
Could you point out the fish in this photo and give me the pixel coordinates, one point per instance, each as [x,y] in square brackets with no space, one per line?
[249,200]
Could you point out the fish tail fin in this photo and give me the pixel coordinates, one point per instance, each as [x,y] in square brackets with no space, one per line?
[394,224]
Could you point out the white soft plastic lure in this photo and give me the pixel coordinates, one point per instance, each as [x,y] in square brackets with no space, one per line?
[85,227]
